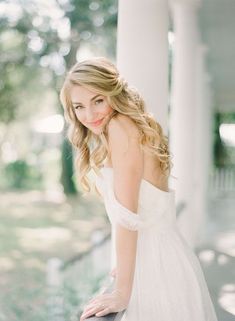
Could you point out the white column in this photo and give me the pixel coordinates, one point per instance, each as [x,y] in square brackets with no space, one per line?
[201,169]
[183,108]
[209,97]
[208,121]
[142,52]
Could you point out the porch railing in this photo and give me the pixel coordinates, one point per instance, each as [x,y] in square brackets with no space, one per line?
[222,182]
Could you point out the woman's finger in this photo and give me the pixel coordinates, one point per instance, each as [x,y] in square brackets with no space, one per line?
[90,307]
[91,311]
[103,312]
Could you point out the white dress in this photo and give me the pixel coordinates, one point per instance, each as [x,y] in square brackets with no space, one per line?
[169,284]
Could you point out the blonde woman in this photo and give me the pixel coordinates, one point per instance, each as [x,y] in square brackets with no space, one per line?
[158,276]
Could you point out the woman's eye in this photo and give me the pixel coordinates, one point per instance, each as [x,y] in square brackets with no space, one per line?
[98,101]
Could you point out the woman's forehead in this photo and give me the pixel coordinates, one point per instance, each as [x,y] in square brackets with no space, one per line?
[79,93]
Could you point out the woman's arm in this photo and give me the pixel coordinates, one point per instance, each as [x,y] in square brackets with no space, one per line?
[127,162]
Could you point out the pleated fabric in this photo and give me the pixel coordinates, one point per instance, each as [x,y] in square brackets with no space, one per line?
[169,284]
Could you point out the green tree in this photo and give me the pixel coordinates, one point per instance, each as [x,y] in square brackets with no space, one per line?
[41,40]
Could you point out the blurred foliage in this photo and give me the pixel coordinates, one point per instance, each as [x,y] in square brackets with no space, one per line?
[67,168]
[38,35]
[224,155]
[228,118]
[42,303]
[39,41]
[20,175]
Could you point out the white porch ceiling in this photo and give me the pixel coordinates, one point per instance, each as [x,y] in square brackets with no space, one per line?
[217,26]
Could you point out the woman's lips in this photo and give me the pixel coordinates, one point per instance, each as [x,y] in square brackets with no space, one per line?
[97,123]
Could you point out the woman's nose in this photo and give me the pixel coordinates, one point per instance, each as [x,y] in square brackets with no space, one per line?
[90,115]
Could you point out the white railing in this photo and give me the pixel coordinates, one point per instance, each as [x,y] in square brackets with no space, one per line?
[222,182]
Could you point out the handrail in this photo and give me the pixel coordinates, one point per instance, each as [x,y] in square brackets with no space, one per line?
[81,256]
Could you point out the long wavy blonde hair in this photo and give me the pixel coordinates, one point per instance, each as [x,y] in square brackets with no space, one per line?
[101,76]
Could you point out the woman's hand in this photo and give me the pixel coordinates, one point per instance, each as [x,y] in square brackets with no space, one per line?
[104,304]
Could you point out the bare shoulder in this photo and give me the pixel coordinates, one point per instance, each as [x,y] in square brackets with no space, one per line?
[127,160]
[124,144]
[122,126]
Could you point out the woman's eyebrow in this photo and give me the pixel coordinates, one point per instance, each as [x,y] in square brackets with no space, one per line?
[90,100]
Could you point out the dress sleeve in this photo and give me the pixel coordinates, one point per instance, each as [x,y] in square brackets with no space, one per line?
[123,216]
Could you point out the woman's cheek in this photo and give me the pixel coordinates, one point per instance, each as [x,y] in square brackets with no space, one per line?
[79,116]
[106,109]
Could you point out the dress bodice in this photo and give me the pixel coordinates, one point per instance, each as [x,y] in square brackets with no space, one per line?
[156,208]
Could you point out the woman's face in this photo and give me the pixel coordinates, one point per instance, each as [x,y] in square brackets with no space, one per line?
[91,109]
